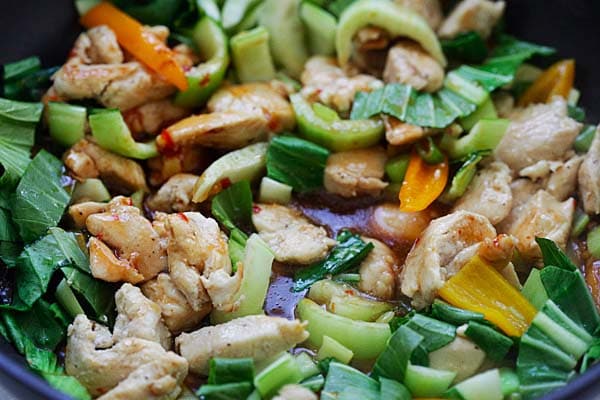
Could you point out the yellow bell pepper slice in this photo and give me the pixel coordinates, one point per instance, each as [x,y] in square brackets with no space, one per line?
[479,287]
[423,183]
[555,81]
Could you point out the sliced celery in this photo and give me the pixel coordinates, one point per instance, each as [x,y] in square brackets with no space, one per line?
[485,135]
[251,55]
[466,88]
[272,191]
[66,123]
[463,177]
[244,164]
[307,365]
[485,111]
[484,386]
[427,382]
[321,27]
[564,339]
[234,11]
[91,189]
[256,265]
[333,348]
[281,372]
[366,339]
[112,133]
[534,290]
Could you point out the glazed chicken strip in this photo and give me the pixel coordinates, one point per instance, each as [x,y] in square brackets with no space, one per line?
[472,16]
[356,172]
[589,178]
[378,271]
[125,230]
[139,317]
[175,195]
[257,336]
[255,98]
[100,364]
[177,312]
[199,262]
[325,82]
[408,63]
[563,180]
[290,235]
[425,269]
[398,133]
[539,132]
[86,159]
[541,216]
[81,211]
[489,193]
[431,10]
[151,117]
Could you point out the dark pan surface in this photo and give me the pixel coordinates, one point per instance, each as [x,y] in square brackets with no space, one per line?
[48,28]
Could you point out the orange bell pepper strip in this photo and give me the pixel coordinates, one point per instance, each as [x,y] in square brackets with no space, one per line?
[423,183]
[555,81]
[143,45]
[479,287]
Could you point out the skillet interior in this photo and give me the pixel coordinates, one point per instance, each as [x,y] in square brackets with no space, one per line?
[48,29]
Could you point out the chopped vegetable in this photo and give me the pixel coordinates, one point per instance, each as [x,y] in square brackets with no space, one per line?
[483,386]
[427,382]
[281,372]
[345,382]
[396,167]
[233,206]
[20,69]
[485,135]
[583,142]
[234,11]
[479,287]
[66,298]
[555,81]
[580,222]
[251,56]
[485,111]
[394,360]
[457,316]
[577,113]
[436,334]
[204,79]
[469,47]
[91,189]
[395,19]
[332,348]
[286,33]
[593,242]
[423,183]
[112,133]
[320,28]
[296,162]
[495,344]
[534,290]
[230,370]
[250,297]
[66,123]
[244,164]
[225,391]
[335,134]
[145,47]
[429,151]
[347,254]
[272,191]
[463,177]
[367,341]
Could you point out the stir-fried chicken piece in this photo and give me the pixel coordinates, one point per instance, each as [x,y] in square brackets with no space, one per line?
[425,269]
[398,133]
[95,71]
[408,63]
[563,180]
[100,364]
[295,392]
[223,130]
[389,223]
[378,271]
[88,160]
[105,265]
[589,178]
[290,235]
[197,251]
[327,83]
[370,49]
[541,216]
[125,230]
[539,132]
[472,16]
[185,159]
[428,9]
[356,172]
[151,117]
[176,311]
[489,193]
[255,98]
[175,195]
[255,336]
[139,317]
[80,211]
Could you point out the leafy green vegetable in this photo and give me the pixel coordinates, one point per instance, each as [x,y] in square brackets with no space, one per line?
[493,343]
[314,383]
[229,370]
[583,142]
[236,245]
[553,255]
[39,325]
[591,356]
[393,390]
[296,162]
[345,382]
[25,80]
[40,199]
[468,47]
[435,333]
[226,391]
[577,113]
[284,370]
[21,68]
[534,290]
[348,253]
[233,206]
[154,12]
[99,295]
[338,6]
[463,177]
[10,248]
[393,361]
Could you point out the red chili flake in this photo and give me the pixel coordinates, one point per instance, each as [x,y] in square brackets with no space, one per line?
[129,201]
[183,217]
[256,209]
[349,291]
[115,217]
[204,81]
[186,68]
[272,122]
[225,183]
[168,144]
[99,236]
